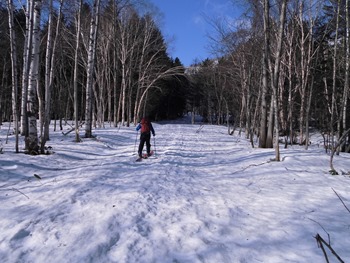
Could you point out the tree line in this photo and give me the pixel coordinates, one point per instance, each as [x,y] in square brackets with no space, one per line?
[283,70]
[279,71]
[88,61]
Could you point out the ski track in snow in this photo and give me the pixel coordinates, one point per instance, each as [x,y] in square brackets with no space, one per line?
[203,197]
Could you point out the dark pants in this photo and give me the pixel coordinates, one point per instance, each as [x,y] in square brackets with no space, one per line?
[145,138]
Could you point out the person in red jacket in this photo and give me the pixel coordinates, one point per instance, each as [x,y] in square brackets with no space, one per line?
[146,129]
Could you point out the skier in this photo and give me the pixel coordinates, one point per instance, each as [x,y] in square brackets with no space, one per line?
[146,129]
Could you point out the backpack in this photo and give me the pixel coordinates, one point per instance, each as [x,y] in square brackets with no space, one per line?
[145,126]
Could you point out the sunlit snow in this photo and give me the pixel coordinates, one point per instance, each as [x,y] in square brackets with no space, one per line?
[205,196]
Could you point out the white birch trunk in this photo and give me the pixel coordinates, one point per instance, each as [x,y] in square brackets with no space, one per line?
[275,71]
[27,55]
[334,75]
[32,138]
[75,74]
[14,70]
[347,66]
[90,68]
[290,73]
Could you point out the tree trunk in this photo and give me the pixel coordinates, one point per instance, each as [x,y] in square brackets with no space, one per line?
[270,124]
[335,62]
[123,91]
[90,67]
[276,74]
[27,57]
[32,145]
[14,70]
[305,62]
[275,70]
[263,119]
[310,53]
[347,66]
[49,73]
[75,74]
[115,70]
[290,107]
[307,135]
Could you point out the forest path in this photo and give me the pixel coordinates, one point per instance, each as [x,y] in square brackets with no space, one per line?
[204,196]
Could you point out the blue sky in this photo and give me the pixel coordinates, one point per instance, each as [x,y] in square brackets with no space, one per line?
[185,24]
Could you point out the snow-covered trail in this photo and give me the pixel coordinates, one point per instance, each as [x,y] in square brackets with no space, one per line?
[203,197]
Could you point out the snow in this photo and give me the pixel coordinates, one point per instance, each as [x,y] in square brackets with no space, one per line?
[205,196]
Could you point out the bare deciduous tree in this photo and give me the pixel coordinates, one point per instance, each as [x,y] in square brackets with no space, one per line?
[91,66]
[75,74]
[52,39]
[32,142]
[347,67]
[14,69]
[27,54]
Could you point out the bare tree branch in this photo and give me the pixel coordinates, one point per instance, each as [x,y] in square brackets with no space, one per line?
[341,200]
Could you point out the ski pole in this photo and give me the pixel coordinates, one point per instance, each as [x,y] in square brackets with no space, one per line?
[137,132]
[155,150]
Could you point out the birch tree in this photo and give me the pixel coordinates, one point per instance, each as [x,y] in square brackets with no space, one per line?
[290,61]
[275,68]
[51,44]
[115,67]
[127,48]
[32,143]
[335,62]
[347,66]
[90,67]
[276,73]
[27,56]
[152,84]
[151,66]
[144,65]
[306,53]
[104,71]
[312,55]
[263,117]
[14,69]
[75,72]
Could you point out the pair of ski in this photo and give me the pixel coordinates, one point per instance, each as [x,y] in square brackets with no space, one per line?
[144,156]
